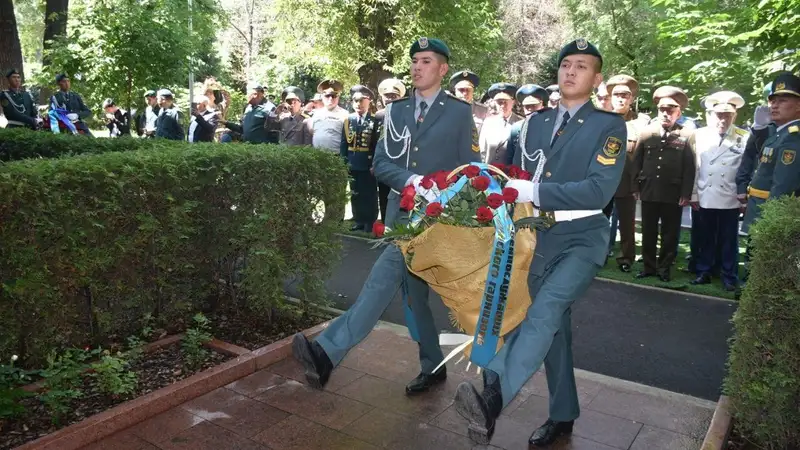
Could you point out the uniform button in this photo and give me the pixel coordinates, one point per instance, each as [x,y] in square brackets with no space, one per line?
[659,158]
[724,164]
[658,167]
[416,149]
[658,176]
[548,174]
[413,164]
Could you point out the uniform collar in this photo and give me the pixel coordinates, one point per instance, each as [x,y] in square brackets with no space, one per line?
[572,111]
[787,124]
[428,100]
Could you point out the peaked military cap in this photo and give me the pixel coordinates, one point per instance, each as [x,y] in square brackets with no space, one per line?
[254,86]
[502,91]
[150,93]
[360,91]
[670,95]
[786,83]
[579,47]
[463,78]
[61,76]
[293,92]
[623,83]
[532,94]
[165,93]
[392,85]
[108,102]
[724,101]
[317,97]
[425,44]
[330,86]
[12,72]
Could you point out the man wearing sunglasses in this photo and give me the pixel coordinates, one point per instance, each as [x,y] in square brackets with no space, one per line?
[328,121]
[294,128]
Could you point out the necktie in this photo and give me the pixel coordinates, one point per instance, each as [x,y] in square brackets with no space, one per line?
[422,107]
[561,127]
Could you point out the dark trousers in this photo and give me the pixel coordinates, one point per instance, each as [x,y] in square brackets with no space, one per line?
[383,199]
[625,208]
[364,197]
[719,229]
[670,216]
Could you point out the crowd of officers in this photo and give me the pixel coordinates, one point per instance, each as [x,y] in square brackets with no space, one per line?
[720,170]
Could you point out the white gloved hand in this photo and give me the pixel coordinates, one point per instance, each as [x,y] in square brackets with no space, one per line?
[429,194]
[39,121]
[524,189]
[762,118]
[72,116]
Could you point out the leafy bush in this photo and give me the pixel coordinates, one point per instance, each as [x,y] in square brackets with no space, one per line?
[91,244]
[196,337]
[764,367]
[17,144]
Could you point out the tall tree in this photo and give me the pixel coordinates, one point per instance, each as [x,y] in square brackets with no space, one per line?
[11,54]
[55,20]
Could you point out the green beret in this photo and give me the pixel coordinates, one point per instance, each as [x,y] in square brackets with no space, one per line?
[150,93]
[424,44]
[60,77]
[12,72]
[579,47]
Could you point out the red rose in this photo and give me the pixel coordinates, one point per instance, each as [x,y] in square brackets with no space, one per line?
[510,195]
[407,203]
[481,183]
[484,214]
[472,171]
[409,191]
[500,166]
[524,175]
[434,209]
[494,200]
[378,228]
[427,182]
[513,171]
[441,179]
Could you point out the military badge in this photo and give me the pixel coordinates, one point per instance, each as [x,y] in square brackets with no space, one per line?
[582,44]
[612,147]
[605,161]
[423,42]
[465,74]
[788,156]
[780,87]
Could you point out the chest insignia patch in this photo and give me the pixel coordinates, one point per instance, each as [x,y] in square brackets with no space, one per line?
[612,147]
[788,156]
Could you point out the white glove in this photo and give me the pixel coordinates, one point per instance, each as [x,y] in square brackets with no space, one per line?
[39,121]
[762,118]
[429,194]
[524,188]
[72,116]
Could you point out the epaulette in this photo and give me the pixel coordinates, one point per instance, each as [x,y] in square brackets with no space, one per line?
[611,113]
[741,131]
[794,129]
[459,99]
[305,116]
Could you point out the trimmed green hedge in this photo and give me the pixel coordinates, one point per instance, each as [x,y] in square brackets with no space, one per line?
[91,244]
[21,143]
[764,367]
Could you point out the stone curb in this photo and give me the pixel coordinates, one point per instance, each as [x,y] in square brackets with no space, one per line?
[127,414]
[720,428]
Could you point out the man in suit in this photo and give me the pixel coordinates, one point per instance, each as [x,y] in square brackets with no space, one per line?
[665,167]
[533,99]
[422,134]
[497,129]
[72,102]
[18,105]
[576,150]
[205,120]
[359,138]
[463,85]
[169,124]
[294,128]
[390,89]
[719,148]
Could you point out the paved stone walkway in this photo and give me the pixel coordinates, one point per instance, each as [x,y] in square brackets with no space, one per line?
[364,407]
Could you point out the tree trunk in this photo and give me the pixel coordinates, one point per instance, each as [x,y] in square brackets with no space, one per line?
[11,55]
[55,26]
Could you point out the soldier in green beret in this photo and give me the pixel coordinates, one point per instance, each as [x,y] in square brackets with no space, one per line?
[18,105]
[72,102]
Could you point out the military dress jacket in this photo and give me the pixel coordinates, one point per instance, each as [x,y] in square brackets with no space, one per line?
[359,139]
[718,158]
[665,164]
[169,124]
[446,139]
[18,108]
[295,130]
[254,126]
[73,103]
[494,137]
[513,138]
[479,114]
[634,124]
[581,171]
[752,154]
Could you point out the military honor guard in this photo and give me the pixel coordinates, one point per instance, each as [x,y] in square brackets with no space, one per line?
[254,125]
[390,89]
[665,169]
[719,148]
[72,102]
[294,128]
[778,171]
[533,98]
[497,129]
[118,121]
[327,122]
[424,133]
[18,105]
[575,153]
[463,85]
[169,124]
[146,120]
[359,138]
[624,89]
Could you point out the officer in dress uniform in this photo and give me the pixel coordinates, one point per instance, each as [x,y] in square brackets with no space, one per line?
[778,171]
[497,129]
[719,148]
[72,102]
[146,121]
[18,106]
[533,99]
[169,124]
[254,125]
[118,121]
[359,138]
[390,89]
[463,85]
[624,89]
[294,128]
[327,122]
[665,168]
[427,132]
[759,132]
[575,154]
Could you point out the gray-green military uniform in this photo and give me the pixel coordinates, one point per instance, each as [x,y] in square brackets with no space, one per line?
[18,108]
[73,103]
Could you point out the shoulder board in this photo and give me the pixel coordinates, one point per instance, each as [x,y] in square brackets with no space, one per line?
[456,98]
[794,129]
[401,100]
[741,131]
[611,113]
[305,116]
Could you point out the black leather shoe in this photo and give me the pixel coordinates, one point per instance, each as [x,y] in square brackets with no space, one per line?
[729,287]
[315,361]
[644,275]
[357,227]
[625,267]
[664,277]
[481,410]
[702,279]
[425,381]
[548,433]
